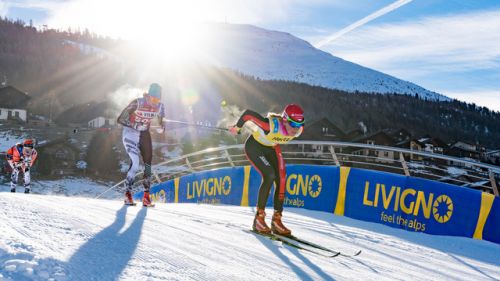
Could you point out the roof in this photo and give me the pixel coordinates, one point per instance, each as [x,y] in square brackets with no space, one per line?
[380,137]
[10,97]
[323,130]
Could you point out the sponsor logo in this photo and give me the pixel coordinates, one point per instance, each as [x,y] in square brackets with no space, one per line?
[159,196]
[305,185]
[146,114]
[281,139]
[209,187]
[408,201]
[264,160]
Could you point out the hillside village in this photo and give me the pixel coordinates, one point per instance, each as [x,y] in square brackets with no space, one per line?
[93,148]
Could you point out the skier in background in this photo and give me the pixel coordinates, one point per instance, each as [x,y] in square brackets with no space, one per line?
[263,150]
[21,158]
[136,119]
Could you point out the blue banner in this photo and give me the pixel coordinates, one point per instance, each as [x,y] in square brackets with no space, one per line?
[398,201]
[411,203]
[221,186]
[492,227]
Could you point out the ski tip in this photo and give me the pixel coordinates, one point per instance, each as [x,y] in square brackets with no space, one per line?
[351,255]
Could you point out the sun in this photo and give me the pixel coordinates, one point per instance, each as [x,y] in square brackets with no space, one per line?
[165,30]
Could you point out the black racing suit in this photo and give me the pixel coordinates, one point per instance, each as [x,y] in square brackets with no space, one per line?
[266,160]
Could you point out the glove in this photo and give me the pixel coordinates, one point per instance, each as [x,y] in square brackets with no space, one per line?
[234,130]
[160,130]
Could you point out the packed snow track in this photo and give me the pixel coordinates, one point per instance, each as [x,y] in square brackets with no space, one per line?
[67,238]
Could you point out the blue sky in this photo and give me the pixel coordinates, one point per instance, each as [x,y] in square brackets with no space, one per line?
[448,46]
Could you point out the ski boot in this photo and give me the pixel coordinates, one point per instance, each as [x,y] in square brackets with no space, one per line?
[259,222]
[146,200]
[27,190]
[277,226]
[129,201]
[13,189]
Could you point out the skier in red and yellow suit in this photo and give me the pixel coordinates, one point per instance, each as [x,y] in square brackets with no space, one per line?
[262,149]
[21,158]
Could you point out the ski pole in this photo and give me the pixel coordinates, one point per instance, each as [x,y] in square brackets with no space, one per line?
[114,186]
[195,125]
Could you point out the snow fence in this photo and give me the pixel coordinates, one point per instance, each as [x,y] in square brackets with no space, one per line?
[399,201]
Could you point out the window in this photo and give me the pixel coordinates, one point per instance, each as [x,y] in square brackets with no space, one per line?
[60,154]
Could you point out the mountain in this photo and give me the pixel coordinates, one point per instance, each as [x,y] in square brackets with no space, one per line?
[274,55]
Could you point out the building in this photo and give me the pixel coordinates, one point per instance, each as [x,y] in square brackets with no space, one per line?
[493,157]
[13,104]
[321,130]
[427,144]
[460,149]
[100,122]
[59,158]
[378,138]
[466,150]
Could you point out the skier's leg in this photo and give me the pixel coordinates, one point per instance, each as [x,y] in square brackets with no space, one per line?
[146,147]
[258,157]
[13,178]
[130,138]
[256,154]
[279,168]
[278,163]
[27,180]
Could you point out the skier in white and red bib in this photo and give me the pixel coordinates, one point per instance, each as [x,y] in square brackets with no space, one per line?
[136,119]
[21,158]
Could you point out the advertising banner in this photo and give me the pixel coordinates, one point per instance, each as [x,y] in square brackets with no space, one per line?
[409,203]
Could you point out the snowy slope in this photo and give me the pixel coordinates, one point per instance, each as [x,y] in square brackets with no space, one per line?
[66,238]
[278,55]
[273,55]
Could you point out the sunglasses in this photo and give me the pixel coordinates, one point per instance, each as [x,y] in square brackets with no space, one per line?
[295,124]
[154,99]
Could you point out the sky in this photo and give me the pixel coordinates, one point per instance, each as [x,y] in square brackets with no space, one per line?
[447,46]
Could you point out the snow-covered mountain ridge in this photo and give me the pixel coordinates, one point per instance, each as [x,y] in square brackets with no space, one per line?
[274,55]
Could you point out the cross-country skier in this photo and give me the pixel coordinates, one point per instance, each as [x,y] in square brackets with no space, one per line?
[21,158]
[136,119]
[262,149]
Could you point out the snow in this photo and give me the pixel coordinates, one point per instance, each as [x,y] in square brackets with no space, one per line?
[274,55]
[80,187]
[8,139]
[281,56]
[47,237]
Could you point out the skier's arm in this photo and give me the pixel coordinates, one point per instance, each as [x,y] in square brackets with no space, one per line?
[161,116]
[9,154]
[255,118]
[34,156]
[124,116]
